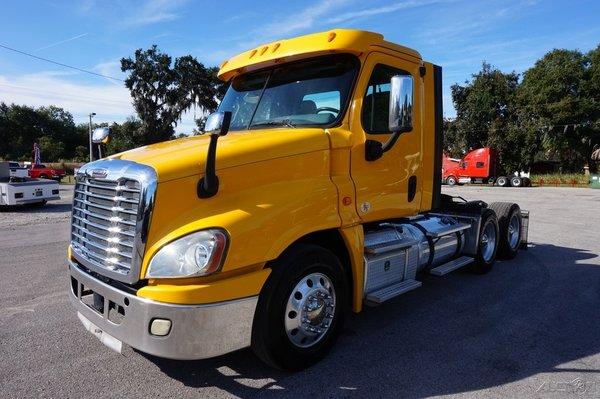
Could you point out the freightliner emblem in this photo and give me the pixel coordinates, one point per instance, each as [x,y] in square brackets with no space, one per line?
[99,173]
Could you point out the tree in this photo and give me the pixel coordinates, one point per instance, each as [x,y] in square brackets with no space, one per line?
[163,90]
[21,126]
[559,100]
[486,115]
[454,140]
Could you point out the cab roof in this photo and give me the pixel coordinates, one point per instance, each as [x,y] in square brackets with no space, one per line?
[351,41]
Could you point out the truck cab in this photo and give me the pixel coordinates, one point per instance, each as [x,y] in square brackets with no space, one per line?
[480,166]
[315,190]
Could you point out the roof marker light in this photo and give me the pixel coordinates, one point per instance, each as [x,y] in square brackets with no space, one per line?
[263,50]
[331,36]
[276,47]
[252,53]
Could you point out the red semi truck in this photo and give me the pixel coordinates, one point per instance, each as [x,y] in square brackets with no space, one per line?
[479,166]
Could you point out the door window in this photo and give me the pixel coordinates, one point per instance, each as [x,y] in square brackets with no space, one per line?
[376,103]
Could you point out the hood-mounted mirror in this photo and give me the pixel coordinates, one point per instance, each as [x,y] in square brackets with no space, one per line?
[217,125]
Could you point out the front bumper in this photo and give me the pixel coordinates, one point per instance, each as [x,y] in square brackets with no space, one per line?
[197,331]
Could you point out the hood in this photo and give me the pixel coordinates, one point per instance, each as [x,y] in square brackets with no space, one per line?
[186,156]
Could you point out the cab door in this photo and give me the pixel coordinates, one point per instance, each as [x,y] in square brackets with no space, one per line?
[388,187]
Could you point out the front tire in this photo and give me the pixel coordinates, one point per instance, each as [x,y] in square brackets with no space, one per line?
[301,308]
[451,181]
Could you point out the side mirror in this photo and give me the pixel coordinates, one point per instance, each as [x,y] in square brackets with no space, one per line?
[400,116]
[101,135]
[218,123]
[401,104]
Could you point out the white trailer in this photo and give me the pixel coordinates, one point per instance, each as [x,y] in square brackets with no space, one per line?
[23,190]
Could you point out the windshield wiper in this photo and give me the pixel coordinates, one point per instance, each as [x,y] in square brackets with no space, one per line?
[285,122]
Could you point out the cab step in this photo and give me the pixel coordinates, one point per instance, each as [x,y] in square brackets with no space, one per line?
[451,266]
[385,293]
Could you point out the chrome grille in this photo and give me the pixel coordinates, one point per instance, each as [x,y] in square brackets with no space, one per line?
[110,217]
[104,219]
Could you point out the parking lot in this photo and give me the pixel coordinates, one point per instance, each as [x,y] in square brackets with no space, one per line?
[527,329]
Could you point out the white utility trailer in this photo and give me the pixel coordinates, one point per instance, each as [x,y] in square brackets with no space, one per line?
[24,190]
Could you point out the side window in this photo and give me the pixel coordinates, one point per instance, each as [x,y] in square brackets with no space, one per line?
[479,164]
[376,103]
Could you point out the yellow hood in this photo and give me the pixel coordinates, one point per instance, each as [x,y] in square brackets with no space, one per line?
[186,157]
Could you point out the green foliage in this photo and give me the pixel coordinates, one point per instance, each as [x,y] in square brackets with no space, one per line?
[50,148]
[51,127]
[163,90]
[560,179]
[554,113]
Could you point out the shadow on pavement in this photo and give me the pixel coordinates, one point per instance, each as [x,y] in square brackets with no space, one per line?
[50,207]
[456,334]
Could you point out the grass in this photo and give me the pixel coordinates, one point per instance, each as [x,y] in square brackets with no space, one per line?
[68,179]
[561,180]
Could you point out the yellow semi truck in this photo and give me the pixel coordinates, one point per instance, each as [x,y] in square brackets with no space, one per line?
[315,190]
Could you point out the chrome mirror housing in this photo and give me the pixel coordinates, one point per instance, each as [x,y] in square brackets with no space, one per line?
[218,123]
[401,104]
[101,135]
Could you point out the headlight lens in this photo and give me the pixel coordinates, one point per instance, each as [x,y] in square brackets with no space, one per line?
[197,254]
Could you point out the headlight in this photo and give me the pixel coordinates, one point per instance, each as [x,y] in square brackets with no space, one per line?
[197,254]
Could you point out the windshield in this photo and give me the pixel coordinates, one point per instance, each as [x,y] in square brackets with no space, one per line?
[308,93]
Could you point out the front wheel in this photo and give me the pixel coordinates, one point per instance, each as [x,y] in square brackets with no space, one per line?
[301,308]
[451,181]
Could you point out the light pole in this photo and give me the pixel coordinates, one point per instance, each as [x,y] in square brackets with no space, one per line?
[91,149]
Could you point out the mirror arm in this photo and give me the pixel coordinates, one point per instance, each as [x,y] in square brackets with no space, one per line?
[375,150]
[217,124]
[208,186]
[390,143]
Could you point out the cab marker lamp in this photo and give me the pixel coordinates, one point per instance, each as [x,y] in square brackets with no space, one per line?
[196,254]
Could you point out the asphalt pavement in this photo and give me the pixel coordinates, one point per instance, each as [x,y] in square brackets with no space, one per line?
[530,328]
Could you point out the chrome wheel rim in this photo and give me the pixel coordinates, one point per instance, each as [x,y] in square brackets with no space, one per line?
[514,231]
[310,310]
[516,182]
[488,242]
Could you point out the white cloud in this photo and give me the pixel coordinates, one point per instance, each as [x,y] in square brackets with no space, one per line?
[110,102]
[302,20]
[107,100]
[154,11]
[62,41]
[110,68]
[369,12]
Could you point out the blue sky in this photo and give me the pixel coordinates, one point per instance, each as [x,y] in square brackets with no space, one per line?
[94,35]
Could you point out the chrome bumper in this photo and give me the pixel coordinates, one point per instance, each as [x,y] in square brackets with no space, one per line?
[197,331]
